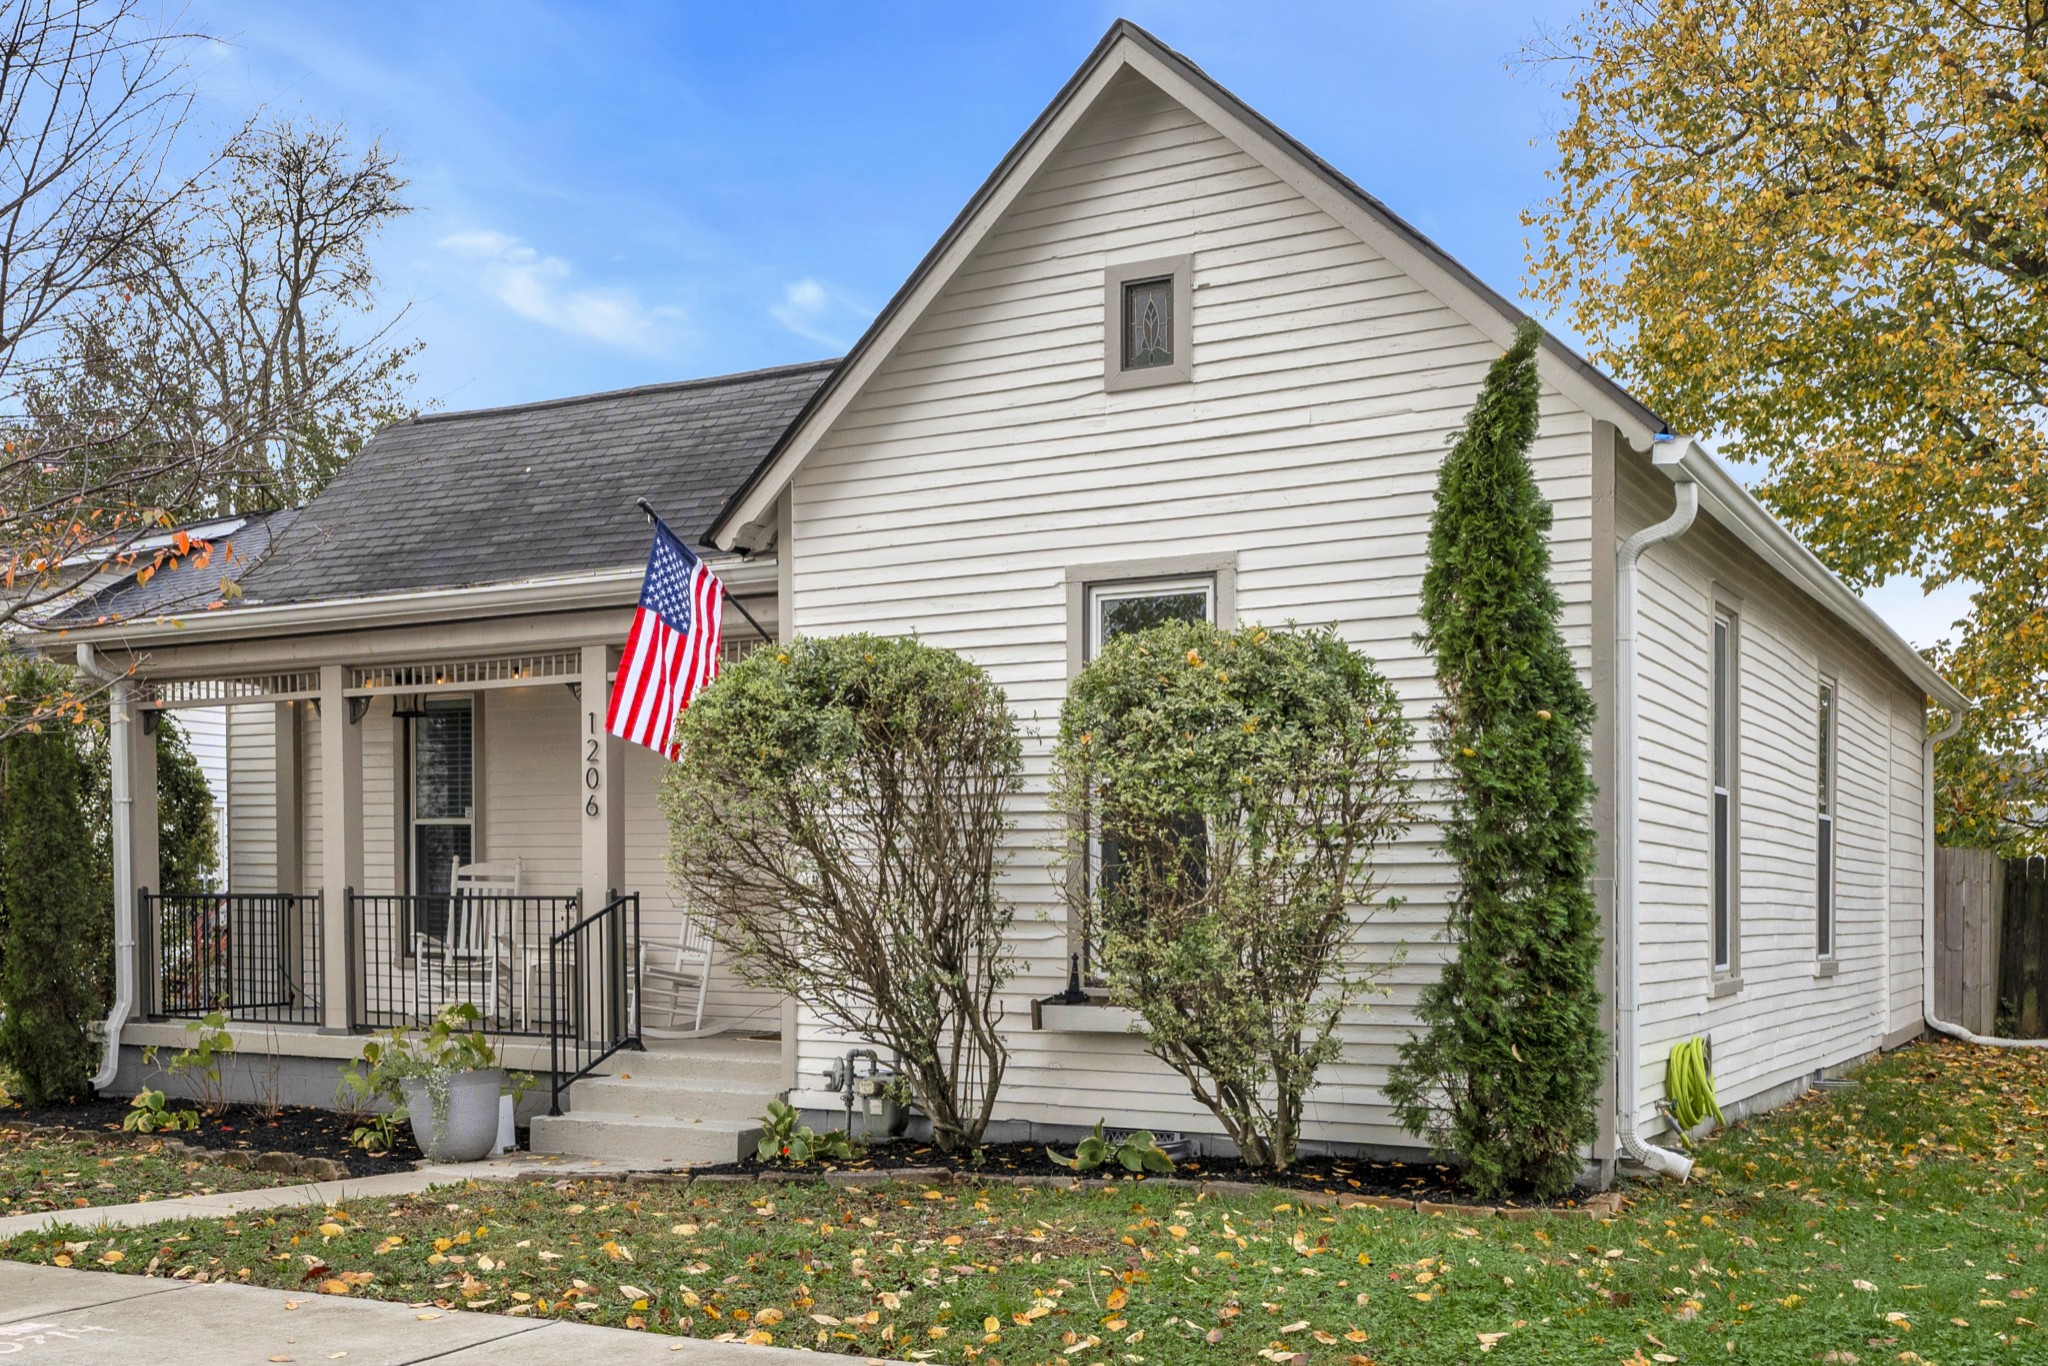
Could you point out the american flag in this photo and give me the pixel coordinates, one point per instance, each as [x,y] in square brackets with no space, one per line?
[672,650]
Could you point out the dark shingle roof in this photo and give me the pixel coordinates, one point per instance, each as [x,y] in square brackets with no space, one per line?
[455,499]
[184,586]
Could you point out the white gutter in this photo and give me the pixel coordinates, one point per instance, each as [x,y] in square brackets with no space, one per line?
[1668,456]
[1938,1025]
[121,719]
[517,597]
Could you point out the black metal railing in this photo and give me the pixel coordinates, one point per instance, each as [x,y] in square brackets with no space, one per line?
[594,964]
[411,955]
[250,955]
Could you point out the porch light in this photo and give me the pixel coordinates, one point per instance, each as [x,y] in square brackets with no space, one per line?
[409,705]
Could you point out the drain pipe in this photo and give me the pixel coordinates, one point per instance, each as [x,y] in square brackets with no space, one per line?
[1934,1022]
[1667,456]
[120,729]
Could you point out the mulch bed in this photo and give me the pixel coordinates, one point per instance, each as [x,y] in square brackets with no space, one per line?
[1336,1176]
[302,1131]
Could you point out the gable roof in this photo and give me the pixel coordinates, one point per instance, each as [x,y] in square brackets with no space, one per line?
[742,517]
[1127,46]
[453,500]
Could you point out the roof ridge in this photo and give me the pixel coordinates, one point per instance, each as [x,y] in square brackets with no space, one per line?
[632,391]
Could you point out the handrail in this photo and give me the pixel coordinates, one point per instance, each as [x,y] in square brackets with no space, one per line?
[597,956]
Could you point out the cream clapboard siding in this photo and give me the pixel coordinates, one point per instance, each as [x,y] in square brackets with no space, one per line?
[252,797]
[530,786]
[1786,1021]
[206,735]
[985,459]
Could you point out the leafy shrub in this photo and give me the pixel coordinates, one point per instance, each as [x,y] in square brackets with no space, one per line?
[1137,1152]
[838,815]
[786,1138]
[1241,783]
[211,1045]
[188,834]
[1509,1067]
[453,1044]
[48,1001]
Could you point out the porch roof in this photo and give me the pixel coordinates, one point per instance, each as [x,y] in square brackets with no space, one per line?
[497,495]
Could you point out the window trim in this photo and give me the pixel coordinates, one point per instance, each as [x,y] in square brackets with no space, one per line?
[1724,872]
[1827,898]
[1115,276]
[1083,583]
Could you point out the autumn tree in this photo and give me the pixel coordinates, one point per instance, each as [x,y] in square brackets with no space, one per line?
[1820,233]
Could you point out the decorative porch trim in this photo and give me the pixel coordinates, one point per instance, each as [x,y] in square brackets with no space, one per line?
[505,671]
[163,694]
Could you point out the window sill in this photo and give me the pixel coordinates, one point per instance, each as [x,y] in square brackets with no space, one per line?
[1724,986]
[1094,1017]
[1826,967]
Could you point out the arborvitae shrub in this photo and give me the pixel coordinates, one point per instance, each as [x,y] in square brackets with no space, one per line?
[1508,1069]
[46,904]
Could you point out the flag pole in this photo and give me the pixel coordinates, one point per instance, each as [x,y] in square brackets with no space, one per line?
[732,598]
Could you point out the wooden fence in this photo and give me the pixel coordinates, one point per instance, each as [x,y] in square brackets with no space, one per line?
[2023,949]
[1991,943]
[1969,895]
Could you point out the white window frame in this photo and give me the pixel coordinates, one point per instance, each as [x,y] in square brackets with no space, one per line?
[1827,818]
[1724,794]
[1180,269]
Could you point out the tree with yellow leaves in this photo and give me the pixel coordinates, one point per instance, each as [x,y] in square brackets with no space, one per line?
[1820,233]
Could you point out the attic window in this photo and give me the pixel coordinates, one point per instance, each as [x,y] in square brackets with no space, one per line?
[1145,323]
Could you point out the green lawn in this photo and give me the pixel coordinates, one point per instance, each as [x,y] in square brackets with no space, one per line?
[42,1172]
[1901,1221]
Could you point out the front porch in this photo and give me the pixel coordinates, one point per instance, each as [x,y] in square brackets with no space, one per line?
[362,769]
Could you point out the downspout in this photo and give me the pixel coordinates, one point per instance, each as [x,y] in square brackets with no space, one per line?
[120,719]
[1666,457]
[1941,1026]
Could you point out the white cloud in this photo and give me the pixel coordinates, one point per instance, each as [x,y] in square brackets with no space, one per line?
[817,314]
[543,289]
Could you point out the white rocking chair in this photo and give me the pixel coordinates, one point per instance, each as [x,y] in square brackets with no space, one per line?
[670,980]
[462,963]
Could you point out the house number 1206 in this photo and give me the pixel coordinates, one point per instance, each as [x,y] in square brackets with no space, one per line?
[593,775]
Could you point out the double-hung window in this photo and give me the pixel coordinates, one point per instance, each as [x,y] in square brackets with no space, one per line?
[1724,691]
[442,772]
[1824,829]
[1116,609]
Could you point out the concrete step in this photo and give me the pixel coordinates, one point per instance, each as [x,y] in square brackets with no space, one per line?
[726,1061]
[642,1141]
[666,1098]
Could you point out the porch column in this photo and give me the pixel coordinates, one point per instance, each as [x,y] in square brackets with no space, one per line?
[600,799]
[341,844]
[138,734]
[601,785]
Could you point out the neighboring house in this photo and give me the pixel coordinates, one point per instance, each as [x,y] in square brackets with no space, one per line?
[1164,351]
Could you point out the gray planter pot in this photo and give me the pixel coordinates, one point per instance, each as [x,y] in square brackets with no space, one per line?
[468,1128]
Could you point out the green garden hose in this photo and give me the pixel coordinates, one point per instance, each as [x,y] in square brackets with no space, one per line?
[1689,1086]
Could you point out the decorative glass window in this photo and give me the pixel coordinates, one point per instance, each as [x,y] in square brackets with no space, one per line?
[443,811]
[1824,837]
[1148,323]
[1115,610]
[1724,853]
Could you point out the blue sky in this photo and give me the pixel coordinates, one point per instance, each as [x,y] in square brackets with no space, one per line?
[617,194]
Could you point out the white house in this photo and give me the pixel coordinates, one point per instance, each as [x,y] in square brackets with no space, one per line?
[1163,350]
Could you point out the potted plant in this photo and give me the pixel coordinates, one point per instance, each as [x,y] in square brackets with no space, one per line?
[446,1079]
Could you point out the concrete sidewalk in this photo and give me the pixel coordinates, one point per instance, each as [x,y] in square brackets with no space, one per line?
[513,1167]
[48,1314]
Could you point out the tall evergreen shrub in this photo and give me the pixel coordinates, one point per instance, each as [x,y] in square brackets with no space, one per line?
[46,901]
[1508,1068]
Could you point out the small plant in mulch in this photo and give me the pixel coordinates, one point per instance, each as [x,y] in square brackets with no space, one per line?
[786,1138]
[151,1113]
[1137,1152]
